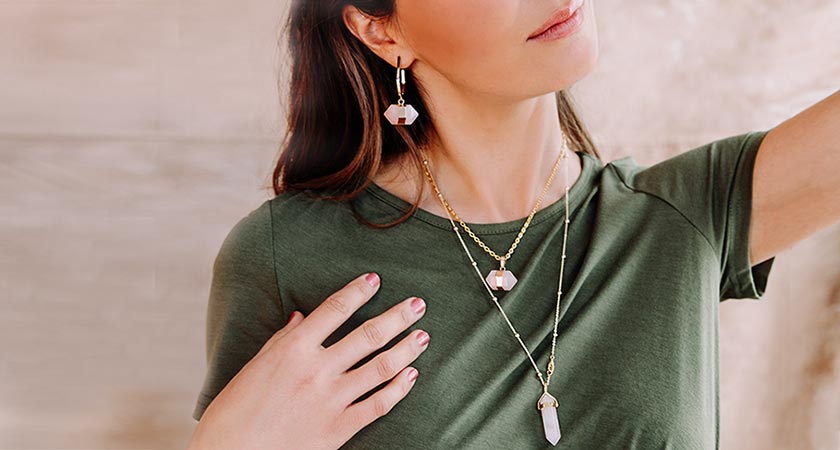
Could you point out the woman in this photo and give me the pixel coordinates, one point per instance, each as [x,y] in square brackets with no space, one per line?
[433,152]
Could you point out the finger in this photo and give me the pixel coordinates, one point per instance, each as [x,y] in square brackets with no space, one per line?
[337,308]
[361,414]
[384,366]
[375,333]
[294,320]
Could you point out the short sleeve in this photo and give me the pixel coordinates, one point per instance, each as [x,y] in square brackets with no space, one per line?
[741,278]
[244,308]
[711,185]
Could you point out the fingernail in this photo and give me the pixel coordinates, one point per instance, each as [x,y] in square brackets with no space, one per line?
[418,305]
[412,374]
[423,338]
[372,279]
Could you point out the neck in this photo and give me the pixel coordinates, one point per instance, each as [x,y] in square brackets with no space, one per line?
[491,161]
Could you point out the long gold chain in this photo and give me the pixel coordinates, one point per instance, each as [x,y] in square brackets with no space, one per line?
[524,226]
[550,368]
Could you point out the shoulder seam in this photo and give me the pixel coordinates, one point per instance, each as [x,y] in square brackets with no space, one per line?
[274,258]
[700,232]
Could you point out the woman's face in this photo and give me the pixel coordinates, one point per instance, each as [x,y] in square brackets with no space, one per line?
[483,46]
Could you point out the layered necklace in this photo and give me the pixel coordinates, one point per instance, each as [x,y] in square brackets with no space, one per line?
[503,279]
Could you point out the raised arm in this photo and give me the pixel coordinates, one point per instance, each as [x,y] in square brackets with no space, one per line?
[796,183]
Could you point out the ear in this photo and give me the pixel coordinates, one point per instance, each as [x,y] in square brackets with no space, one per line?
[378,35]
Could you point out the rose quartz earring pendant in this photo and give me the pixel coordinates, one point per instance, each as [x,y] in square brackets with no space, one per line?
[401,114]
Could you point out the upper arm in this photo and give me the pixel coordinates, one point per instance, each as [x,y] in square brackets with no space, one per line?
[244,308]
[797,187]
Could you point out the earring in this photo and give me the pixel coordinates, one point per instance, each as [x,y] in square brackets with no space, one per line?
[401,114]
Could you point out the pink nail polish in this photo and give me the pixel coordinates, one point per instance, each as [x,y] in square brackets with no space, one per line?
[372,279]
[412,374]
[418,305]
[423,338]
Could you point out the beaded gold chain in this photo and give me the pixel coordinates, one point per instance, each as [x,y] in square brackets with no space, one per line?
[547,403]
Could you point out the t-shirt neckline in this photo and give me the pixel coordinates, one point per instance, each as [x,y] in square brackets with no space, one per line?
[577,191]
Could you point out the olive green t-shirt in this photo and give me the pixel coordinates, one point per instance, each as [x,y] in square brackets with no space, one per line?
[651,253]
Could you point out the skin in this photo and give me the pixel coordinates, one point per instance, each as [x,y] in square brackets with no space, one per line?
[311,387]
[796,190]
[491,98]
[491,93]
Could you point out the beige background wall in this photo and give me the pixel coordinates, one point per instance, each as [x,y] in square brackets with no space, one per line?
[133,135]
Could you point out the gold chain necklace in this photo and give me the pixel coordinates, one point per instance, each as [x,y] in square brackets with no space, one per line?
[501,278]
[547,403]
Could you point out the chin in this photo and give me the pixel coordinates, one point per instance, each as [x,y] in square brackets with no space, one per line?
[558,65]
[561,74]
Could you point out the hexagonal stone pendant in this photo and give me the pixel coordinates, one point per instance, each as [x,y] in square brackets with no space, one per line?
[401,115]
[501,279]
[547,405]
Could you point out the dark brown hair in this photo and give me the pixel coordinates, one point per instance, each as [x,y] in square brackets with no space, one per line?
[337,136]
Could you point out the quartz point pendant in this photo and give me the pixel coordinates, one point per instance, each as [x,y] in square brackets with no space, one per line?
[401,115]
[501,279]
[548,408]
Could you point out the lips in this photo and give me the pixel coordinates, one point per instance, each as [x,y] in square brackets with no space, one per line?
[559,16]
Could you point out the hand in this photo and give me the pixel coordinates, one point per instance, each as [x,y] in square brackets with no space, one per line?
[296,394]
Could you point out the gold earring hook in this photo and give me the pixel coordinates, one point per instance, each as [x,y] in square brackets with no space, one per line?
[400,82]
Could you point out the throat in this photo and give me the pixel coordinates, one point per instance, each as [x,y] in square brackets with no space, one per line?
[477,208]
